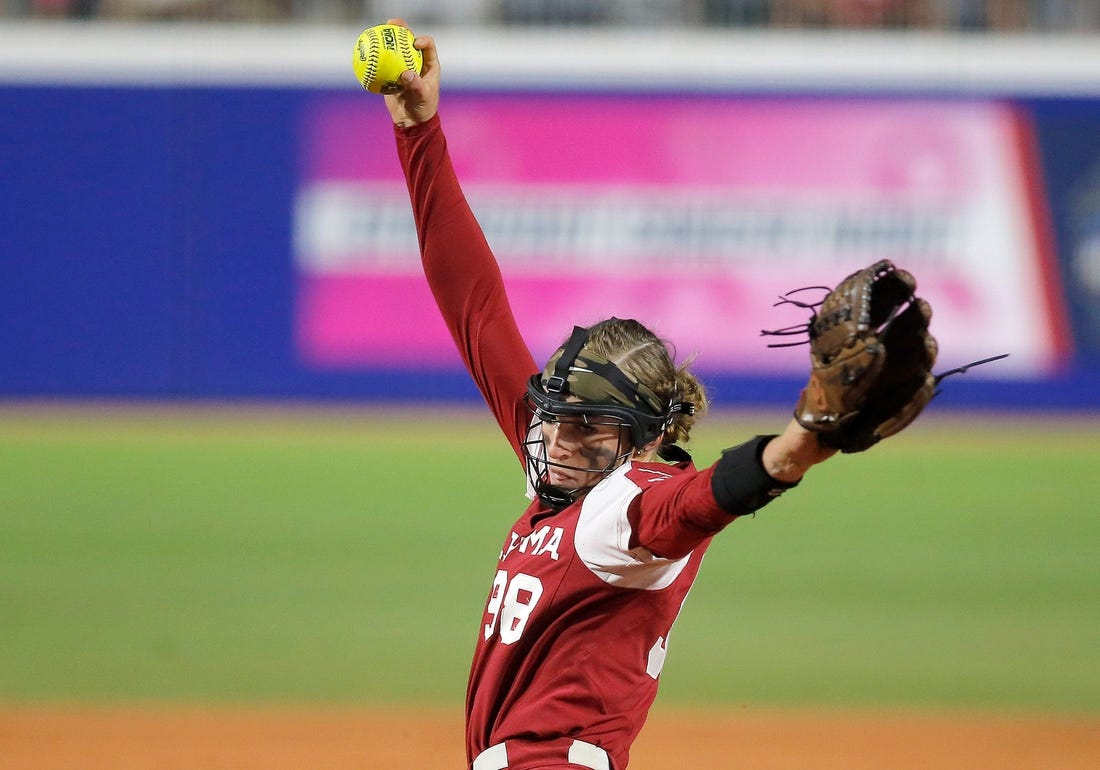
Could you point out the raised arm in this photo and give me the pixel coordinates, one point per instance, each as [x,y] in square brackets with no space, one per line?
[460,267]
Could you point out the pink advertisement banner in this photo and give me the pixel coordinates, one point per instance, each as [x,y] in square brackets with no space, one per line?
[692,214]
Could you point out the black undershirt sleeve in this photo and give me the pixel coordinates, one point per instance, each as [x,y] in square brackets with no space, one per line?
[739,482]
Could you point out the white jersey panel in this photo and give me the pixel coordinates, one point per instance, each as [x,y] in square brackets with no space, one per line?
[602,539]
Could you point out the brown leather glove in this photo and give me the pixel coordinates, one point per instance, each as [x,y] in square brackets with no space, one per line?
[871,360]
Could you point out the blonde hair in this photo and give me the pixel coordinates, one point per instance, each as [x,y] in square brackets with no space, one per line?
[641,354]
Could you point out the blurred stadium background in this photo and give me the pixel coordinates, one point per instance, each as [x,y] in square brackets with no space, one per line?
[208,208]
[228,413]
[963,15]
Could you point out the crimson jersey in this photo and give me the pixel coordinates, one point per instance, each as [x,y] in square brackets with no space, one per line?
[575,628]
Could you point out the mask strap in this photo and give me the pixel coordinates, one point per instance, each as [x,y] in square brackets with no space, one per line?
[559,381]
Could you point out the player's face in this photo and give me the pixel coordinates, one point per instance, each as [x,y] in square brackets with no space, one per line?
[580,450]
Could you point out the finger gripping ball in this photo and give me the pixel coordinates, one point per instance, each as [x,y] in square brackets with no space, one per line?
[381,54]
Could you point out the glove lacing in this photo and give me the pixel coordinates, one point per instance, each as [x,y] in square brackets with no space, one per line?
[962,370]
[797,329]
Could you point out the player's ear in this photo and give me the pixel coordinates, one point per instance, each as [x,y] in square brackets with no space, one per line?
[648,450]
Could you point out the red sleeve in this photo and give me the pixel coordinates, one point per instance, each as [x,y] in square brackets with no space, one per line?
[465,279]
[672,518]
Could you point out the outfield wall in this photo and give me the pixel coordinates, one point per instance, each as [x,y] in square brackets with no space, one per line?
[213,212]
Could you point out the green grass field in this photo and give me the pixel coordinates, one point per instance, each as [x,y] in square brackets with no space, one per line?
[343,555]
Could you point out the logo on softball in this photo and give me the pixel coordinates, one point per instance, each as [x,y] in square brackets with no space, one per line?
[389,39]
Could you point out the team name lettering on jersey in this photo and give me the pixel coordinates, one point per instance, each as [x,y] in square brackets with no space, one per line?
[541,541]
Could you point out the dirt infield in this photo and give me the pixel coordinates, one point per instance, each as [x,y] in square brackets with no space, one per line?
[165,738]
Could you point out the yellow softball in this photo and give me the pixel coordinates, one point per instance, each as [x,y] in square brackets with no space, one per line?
[381,54]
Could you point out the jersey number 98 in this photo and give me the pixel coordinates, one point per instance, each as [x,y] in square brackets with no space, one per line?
[511,604]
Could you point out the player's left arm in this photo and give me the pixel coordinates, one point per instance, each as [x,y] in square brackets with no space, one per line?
[671,518]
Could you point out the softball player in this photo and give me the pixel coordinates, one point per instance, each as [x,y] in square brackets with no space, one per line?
[591,577]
